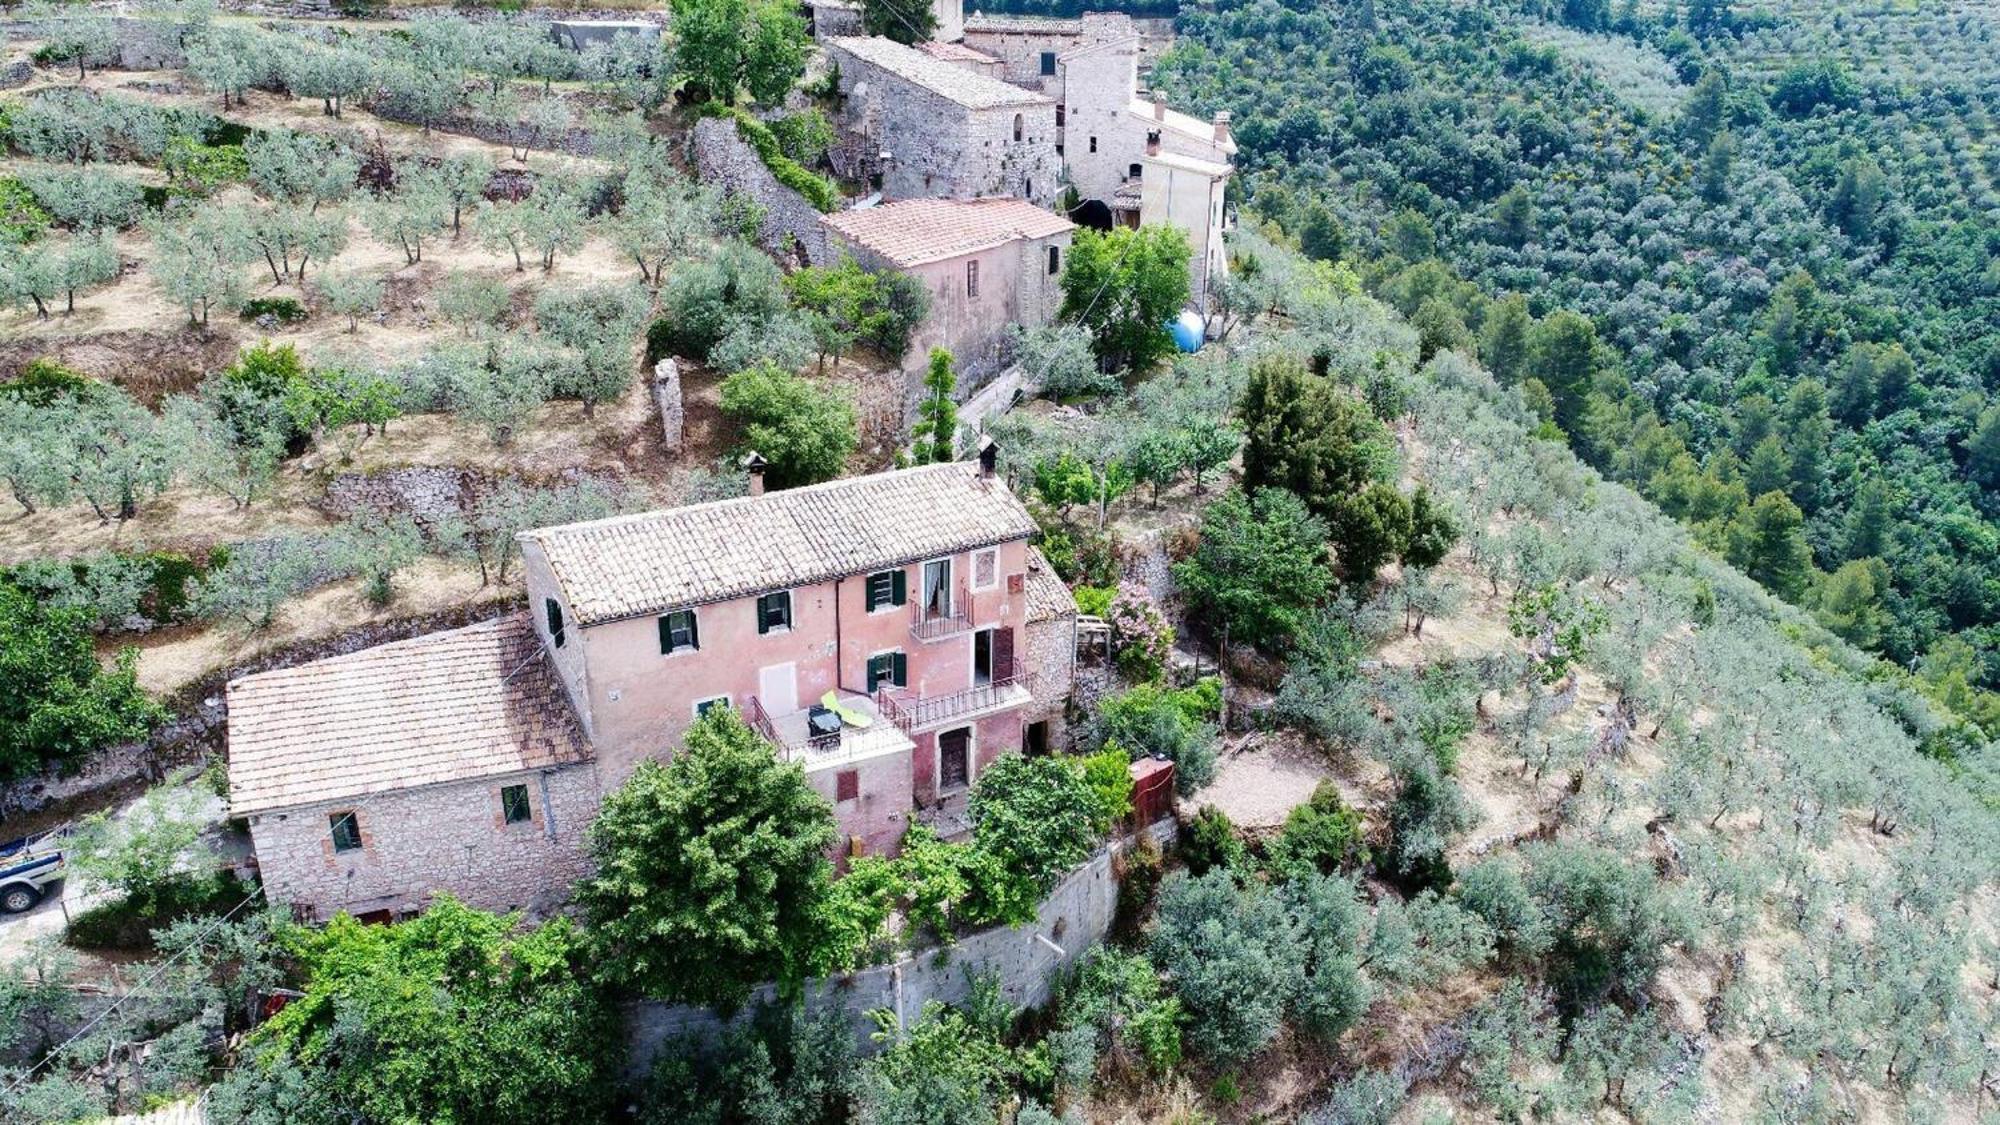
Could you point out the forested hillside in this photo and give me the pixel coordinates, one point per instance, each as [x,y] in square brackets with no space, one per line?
[1749,265]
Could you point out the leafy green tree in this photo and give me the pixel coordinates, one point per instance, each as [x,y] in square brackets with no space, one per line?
[1503,339]
[1230,955]
[1322,835]
[1767,541]
[1321,236]
[1433,531]
[1158,458]
[1305,433]
[71,34]
[1038,816]
[712,870]
[61,703]
[937,416]
[1564,353]
[152,849]
[1368,529]
[1125,287]
[1178,724]
[1260,567]
[1982,449]
[904,21]
[454,1016]
[946,1068]
[1849,601]
[804,432]
[350,294]
[784,1066]
[1806,87]
[1718,163]
[725,48]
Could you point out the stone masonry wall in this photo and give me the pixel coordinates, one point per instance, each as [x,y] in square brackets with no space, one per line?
[1028,959]
[943,150]
[1052,654]
[791,225]
[439,838]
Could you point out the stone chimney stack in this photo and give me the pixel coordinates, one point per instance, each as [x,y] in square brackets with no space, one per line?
[754,464]
[1153,143]
[1159,106]
[1222,127]
[989,456]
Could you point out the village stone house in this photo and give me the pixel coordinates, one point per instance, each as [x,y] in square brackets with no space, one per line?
[934,129]
[1130,158]
[989,264]
[471,761]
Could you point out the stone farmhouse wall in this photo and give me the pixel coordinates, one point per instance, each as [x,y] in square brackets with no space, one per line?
[940,149]
[439,838]
[1028,959]
[791,226]
[1052,656]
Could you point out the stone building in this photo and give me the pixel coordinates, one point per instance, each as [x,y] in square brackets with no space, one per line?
[935,129]
[446,762]
[892,634]
[989,264]
[1131,158]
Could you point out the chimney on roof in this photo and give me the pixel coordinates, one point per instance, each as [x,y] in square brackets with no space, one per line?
[989,456]
[1153,143]
[754,464]
[1159,106]
[1221,126]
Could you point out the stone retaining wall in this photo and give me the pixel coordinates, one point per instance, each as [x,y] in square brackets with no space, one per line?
[791,227]
[1028,960]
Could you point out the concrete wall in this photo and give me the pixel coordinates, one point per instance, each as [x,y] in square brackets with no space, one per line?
[1028,959]
[417,842]
[1191,201]
[791,228]
[941,149]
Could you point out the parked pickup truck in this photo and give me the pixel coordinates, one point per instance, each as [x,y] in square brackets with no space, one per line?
[28,867]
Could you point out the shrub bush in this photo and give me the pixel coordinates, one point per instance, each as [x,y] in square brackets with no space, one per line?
[1322,835]
[128,924]
[42,381]
[285,310]
[1212,842]
[1175,723]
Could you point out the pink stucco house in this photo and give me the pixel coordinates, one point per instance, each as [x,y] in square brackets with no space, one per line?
[989,264]
[472,760]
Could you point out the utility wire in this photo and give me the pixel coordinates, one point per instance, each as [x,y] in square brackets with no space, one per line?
[115,1005]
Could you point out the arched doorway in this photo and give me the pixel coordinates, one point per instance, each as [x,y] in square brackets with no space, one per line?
[1092,213]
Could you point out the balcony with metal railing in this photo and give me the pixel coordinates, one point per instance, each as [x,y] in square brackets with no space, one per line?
[914,713]
[929,623]
[816,737]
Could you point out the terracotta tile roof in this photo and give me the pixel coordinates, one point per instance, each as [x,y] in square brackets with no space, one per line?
[910,232]
[630,566]
[1015,25]
[452,706]
[956,83]
[954,52]
[1047,595]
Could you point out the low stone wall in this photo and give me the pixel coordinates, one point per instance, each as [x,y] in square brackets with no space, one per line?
[1028,959]
[791,226]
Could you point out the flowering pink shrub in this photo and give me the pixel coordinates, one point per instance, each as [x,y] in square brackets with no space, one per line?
[1142,633]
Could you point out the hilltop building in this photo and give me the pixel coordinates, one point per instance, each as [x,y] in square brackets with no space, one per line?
[893,634]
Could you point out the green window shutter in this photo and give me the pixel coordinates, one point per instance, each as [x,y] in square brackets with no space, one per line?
[666,633]
[694,631]
[763,615]
[555,620]
[899,669]
[875,671]
[898,587]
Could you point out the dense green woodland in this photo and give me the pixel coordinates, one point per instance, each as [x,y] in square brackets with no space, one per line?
[1749,264]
